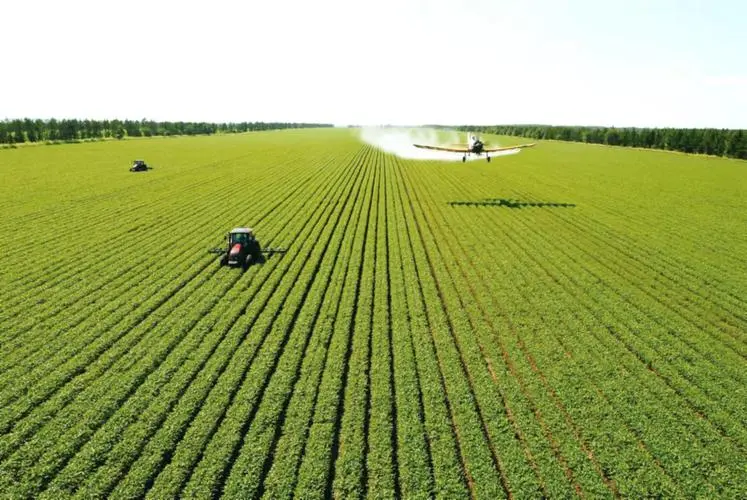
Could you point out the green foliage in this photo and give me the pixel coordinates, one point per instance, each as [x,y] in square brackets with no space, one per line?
[568,321]
[716,142]
[72,130]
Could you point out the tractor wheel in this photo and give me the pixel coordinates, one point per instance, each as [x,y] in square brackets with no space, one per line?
[247,262]
[255,250]
[223,260]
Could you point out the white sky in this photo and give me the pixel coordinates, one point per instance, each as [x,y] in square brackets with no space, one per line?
[588,62]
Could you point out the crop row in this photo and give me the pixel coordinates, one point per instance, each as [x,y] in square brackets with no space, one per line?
[165,328]
[402,347]
[513,226]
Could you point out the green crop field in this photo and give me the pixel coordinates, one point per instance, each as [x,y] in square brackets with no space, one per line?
[568,321]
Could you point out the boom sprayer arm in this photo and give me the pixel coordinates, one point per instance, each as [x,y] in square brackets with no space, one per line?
[271,250]
[243,249]
[268,251]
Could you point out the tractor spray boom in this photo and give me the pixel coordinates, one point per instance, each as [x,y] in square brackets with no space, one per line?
[267,251]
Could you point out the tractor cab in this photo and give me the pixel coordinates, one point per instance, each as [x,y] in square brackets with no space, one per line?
[240,235]
[243,248]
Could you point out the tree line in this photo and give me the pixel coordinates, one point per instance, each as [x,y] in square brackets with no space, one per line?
[718,142]
[71,130]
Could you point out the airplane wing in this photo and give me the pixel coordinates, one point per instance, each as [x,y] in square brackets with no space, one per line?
[442,148]
[506,148]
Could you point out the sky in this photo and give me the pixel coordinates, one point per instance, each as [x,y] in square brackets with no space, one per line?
[656,63]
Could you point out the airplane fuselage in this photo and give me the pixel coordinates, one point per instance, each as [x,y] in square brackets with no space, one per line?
[477,147]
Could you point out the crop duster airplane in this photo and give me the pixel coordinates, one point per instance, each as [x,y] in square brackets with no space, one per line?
[474,146]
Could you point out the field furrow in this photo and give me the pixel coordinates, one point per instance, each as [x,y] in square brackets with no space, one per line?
[567,322]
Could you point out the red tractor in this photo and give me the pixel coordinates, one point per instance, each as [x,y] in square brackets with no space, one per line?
[243,249]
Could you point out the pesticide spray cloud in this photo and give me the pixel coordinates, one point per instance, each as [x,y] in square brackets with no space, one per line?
[399,141]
